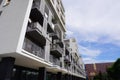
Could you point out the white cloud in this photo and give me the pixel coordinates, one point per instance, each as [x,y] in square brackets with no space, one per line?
[89,52]
[94,20]
[89,60]
[69,33]
[92,60]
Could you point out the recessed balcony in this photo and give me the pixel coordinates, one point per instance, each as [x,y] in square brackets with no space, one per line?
[56,50]
[67,59]
[55,60]
[36,16]
[67,51]
[34,32]
[60,43]
[54,36]
[33,48]
[50,29]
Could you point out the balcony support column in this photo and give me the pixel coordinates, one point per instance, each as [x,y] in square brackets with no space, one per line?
[72,77]
[59,76]
[42,74]
[68,77]
[65,77]
[47,50]
[6,68]
[75,78]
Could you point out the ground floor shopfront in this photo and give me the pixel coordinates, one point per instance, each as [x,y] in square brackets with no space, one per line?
[9,71]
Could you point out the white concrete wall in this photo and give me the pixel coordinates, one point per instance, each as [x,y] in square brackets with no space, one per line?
[12,23]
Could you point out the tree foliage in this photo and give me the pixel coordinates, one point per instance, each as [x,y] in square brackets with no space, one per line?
[114,70]
[101,76]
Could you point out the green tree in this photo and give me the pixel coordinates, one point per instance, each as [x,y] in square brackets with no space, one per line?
[114,70]
[101,76]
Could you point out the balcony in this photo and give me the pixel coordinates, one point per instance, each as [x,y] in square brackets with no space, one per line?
[66,66]
[34,32]
[54,36]
[67,51]
[67,59]
[55,61]
[56,50]
[50,29]
[60,43]
[36,4]
[33,48]
[36,15]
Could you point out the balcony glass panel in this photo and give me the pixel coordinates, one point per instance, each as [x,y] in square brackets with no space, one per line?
[35,25]
[55,60]
[34,32]
[33,48]
[56,50]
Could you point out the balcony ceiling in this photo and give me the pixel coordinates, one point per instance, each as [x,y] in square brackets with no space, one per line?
[56,53]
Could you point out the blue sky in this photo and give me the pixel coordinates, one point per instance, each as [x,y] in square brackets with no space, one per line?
[96,26]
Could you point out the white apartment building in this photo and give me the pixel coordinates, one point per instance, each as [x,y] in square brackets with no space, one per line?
[32,41]
[73,61]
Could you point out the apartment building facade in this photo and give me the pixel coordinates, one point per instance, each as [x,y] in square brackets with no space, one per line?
[73,61]
[32,41]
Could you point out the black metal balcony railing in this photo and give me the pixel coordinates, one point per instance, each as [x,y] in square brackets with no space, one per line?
[54,60]
[33,48]
[56,50]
